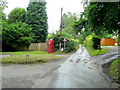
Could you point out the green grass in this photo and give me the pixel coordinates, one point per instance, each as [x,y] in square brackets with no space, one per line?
[22,59]
[97,52]
[33,53]
[27,53]
[35,57]
[114,69]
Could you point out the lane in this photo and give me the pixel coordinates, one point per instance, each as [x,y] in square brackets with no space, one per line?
[79,71]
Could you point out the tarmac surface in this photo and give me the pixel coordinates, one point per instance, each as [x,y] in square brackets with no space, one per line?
[77,70]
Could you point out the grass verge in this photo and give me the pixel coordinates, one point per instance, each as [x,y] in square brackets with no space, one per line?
[97,52]
[33,53]
[114,69]
[32,59]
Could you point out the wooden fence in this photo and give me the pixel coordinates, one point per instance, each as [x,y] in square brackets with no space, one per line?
[107,42]
[38,47]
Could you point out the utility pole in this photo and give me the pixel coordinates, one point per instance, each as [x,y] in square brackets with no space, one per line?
[61,23]
[60,29]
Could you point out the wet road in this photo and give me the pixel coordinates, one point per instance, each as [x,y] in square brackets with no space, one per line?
[78,72]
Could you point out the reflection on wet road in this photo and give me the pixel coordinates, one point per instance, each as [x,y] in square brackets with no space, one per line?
[78,72]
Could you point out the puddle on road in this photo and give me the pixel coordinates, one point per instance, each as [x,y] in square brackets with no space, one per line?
[78,72]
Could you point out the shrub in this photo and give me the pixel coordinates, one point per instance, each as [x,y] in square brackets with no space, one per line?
[70,44]
[92,42]
[88,42]
[96,43]
[15,35]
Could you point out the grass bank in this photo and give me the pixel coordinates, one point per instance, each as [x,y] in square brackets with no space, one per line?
[114,69]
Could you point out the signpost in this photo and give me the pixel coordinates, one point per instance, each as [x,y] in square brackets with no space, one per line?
[64,42]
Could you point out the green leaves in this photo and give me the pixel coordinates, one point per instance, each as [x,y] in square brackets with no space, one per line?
[103,15]
[37,18]
[17,34]
[17,15]
[68,22]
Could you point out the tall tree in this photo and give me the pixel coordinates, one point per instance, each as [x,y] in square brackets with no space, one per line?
[17,15]
[68,22]
[100,17]
[103,16]
[37,18]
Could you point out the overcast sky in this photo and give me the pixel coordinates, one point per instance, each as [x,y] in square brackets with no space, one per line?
[53,9]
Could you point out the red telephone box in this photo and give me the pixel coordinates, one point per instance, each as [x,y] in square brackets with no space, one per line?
[50,44]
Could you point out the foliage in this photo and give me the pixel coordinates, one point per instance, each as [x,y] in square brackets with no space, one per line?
[37,18]
[17,15]
[103,16]
[92,42]
[22,59]
[15,35]
[81,24]
[114,70]
[118,40]
[3,23]
[82,36]
[96,42]
[89,42]
[68,22]
[70,44]
[64,35]
[100,18]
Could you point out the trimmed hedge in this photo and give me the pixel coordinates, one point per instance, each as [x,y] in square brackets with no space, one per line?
[92,42]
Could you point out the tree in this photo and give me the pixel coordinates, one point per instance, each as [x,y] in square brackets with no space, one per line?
[68,23]
[15,35]
[81,24]
[100,18]
[3,5]
[103,16]
[17,15]
[37,18]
